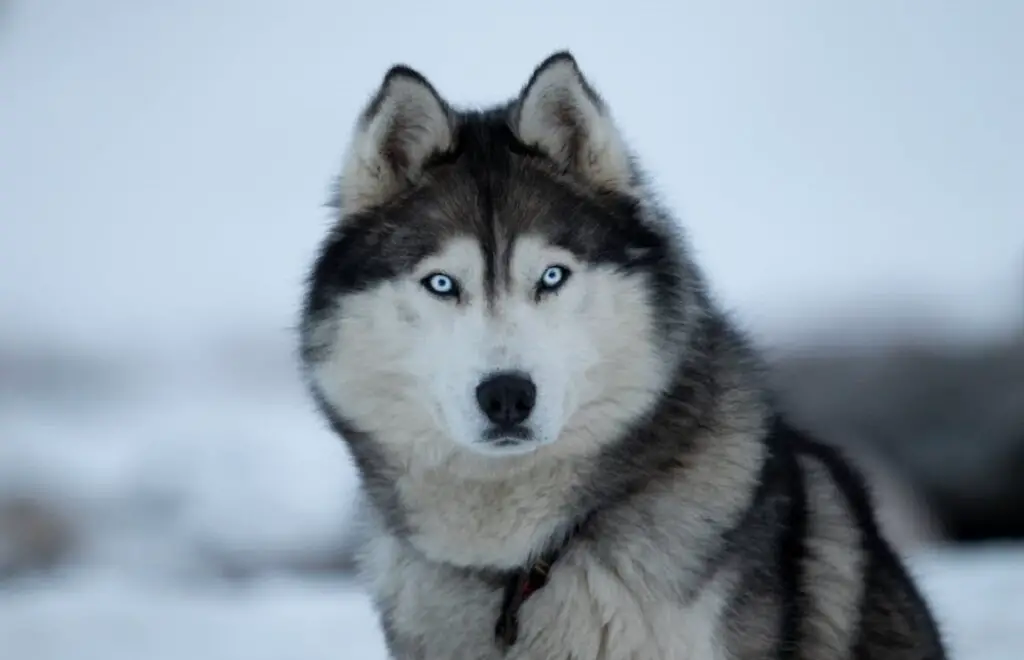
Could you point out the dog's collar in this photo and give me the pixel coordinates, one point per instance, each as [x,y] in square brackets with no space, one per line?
[522,584]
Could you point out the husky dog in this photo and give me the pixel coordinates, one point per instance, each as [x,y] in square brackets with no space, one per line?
[567,451]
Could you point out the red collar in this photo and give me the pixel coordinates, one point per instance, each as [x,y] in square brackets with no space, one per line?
[522,584]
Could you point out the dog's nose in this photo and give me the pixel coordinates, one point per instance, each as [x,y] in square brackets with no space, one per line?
[506,398]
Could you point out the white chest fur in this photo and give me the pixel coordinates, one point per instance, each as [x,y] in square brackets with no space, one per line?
[587,612]
[591,611]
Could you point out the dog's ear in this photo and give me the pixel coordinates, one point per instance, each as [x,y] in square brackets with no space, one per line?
[559,113]
[404,124]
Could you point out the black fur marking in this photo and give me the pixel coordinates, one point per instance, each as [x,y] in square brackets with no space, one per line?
[406,71]
[775,526]
[485,158]
[395,72]
[547,63]
[792,552]
[890,592]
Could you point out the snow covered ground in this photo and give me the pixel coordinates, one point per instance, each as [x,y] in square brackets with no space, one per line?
[161,174]
[203,458]
[977,596]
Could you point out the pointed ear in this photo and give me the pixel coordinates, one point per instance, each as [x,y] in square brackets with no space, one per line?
[404,124]
[561,114]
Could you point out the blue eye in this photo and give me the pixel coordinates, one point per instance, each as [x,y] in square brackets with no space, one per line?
[441,285]
[553,278]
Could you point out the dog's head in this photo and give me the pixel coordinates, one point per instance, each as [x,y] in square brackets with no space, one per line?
[497,282]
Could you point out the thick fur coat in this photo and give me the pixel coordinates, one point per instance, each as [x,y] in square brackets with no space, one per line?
[507,330]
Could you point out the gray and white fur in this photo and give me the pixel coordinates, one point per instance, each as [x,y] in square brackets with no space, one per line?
[507,331]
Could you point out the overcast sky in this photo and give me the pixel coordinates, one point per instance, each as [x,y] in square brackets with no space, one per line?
[163,164]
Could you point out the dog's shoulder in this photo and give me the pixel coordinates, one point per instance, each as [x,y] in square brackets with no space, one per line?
[857,595]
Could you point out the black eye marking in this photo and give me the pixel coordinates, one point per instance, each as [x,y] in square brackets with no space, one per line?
[552,279]
[441,285]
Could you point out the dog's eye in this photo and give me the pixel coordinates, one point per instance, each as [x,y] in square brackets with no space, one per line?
[441,285]
[552,279]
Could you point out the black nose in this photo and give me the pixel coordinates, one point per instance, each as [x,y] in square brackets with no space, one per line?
[506,398]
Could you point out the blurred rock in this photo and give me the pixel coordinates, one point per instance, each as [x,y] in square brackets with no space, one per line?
[34,536]
[948,420]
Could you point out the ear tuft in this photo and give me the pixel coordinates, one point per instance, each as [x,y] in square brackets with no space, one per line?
[561,114]
[405,124]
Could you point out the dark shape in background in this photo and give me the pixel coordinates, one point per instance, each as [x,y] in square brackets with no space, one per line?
[948,418]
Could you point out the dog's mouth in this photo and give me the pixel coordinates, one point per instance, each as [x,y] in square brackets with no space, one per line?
[508,436]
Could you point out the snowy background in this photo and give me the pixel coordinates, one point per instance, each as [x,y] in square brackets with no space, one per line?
[851,175]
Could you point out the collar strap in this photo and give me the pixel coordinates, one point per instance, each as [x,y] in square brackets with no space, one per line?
[523,583]
[519,586]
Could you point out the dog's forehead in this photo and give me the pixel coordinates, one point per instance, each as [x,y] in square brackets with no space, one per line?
[489,195]
[507,231]
[513,209]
